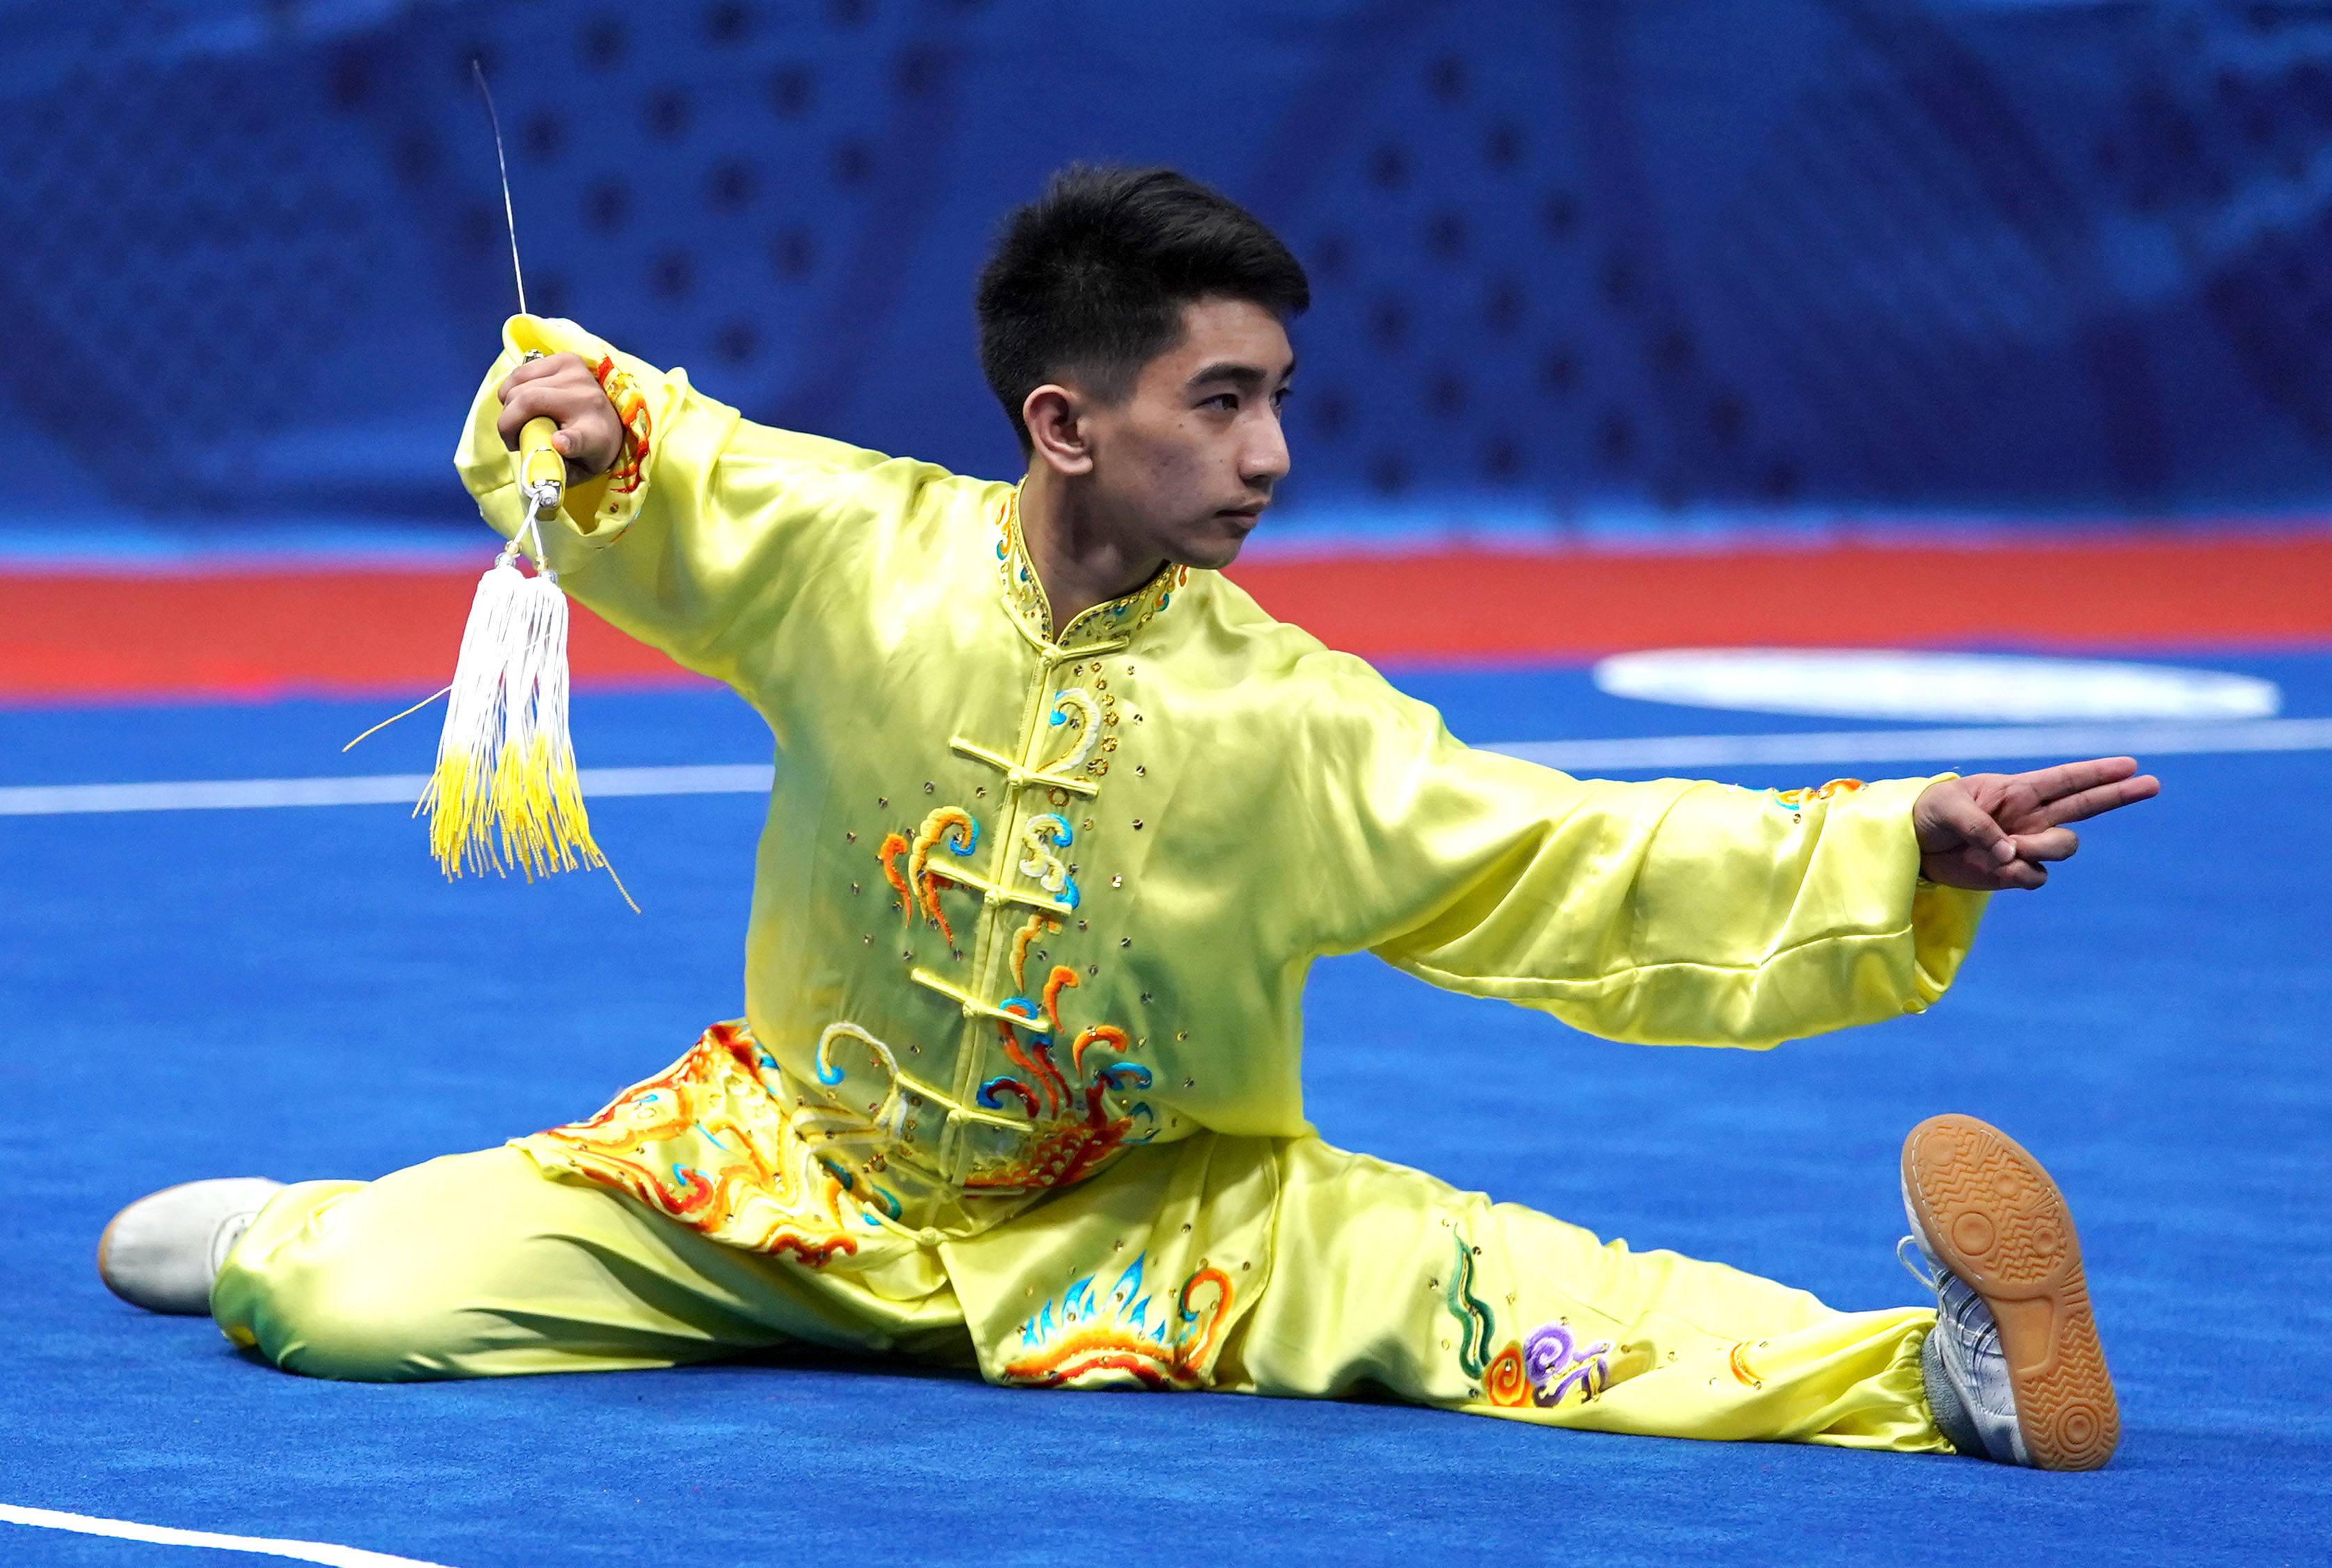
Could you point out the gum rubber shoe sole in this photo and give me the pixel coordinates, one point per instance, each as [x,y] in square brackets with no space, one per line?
[1995,1218]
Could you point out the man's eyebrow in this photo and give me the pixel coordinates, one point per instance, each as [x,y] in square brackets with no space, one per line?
[1232,373]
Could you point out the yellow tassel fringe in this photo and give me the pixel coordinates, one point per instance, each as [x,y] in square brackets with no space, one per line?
[504,793]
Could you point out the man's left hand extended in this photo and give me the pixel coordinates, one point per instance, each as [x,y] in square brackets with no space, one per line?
[1989,831]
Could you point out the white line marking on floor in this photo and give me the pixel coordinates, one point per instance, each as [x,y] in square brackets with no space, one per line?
[373,790]
[1991,744]
[124,1530]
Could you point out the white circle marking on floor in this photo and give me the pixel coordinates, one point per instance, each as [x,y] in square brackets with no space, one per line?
[1977,688]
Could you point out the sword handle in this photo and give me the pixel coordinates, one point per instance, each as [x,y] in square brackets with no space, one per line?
[542,471]
[539,463]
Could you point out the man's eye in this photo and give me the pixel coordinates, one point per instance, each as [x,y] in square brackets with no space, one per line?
[1279,398]
[1225,401]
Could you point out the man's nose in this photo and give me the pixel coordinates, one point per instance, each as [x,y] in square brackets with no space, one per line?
[1264,462]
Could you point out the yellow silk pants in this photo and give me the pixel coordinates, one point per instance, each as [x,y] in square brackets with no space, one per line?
[1380,1280]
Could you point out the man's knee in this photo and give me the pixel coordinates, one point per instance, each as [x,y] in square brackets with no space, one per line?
[351,1281]
[331,1321]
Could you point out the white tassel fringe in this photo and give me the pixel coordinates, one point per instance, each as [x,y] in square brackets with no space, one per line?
[504,793]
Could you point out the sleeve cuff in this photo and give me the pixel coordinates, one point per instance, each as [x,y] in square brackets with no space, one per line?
[599,511]
[1941,922]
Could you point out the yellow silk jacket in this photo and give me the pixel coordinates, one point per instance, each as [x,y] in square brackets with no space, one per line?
[1029,894]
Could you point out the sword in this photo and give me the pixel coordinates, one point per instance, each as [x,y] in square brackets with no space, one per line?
[542,471]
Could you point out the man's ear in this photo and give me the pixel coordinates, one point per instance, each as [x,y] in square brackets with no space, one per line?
[1054,416]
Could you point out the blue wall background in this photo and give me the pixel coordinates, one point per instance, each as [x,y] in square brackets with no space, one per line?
[1574,261]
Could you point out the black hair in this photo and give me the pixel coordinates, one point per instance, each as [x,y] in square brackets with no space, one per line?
[1090,279]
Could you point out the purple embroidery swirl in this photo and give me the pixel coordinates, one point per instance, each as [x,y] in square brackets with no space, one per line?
[1555,1364]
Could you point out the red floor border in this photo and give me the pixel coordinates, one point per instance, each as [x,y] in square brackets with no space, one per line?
[69,635]
[2122,592]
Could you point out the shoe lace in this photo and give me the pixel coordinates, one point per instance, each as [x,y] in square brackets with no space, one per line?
[1986,1341]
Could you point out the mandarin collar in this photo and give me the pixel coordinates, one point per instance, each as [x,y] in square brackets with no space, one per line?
[1111,621]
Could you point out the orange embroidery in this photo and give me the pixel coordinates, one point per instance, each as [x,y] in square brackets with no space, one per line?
[1039,1066]
[1507,1384]
[1097,1340]
[1060,980]
[632,411]
[745,1199]
[1066,1150]
[1109,1034]
[953,825]
[1038,925]
[1797,798]
[894,845]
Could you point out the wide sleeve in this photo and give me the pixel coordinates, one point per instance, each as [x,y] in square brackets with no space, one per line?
[699,537]
[1668,913]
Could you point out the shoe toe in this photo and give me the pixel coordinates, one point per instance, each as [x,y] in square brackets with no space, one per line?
[159,1253]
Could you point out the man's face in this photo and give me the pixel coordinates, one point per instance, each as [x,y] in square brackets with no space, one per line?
[1185,465]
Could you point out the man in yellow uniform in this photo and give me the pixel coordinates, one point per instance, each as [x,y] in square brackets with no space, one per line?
[1061,819]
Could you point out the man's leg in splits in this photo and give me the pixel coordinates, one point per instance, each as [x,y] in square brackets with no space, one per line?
[1386,1279]
[480,1265]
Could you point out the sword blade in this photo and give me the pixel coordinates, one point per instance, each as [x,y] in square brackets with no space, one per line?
[509,218]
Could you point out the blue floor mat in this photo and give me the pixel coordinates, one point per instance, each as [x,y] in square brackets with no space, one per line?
[295,993]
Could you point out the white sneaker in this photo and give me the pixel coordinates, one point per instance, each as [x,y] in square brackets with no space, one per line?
[162,1252]
[2013,1369]
[1966,1375]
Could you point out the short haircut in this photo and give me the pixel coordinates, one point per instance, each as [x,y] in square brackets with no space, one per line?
[1089,281]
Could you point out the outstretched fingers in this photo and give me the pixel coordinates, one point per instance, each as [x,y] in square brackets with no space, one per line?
[1995,831]
[2097,798]
[2072,778]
